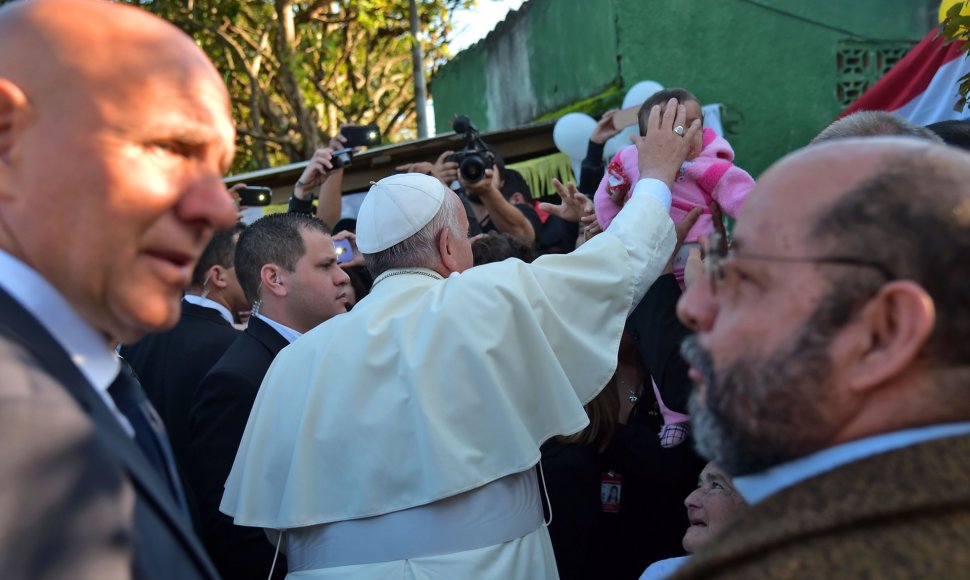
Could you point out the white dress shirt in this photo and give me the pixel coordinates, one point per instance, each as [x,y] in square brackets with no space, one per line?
[88,348]
[206,303]
[757,487]
[285,331]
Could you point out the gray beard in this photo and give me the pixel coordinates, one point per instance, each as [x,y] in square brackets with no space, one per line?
[761,413]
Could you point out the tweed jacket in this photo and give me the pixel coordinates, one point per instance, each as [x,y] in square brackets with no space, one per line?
[900,514]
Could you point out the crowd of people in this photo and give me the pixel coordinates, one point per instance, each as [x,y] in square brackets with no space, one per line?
[483,386]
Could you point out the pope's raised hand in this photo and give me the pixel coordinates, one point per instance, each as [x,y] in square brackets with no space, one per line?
[662,151]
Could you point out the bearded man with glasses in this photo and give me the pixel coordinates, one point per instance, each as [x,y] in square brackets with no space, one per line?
[831,356]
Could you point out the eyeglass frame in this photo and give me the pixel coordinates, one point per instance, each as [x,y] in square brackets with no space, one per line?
[718,249]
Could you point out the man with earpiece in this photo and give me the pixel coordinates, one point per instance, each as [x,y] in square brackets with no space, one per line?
[288,269]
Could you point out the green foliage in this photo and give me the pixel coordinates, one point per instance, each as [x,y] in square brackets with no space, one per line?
[297,70]
[955,28]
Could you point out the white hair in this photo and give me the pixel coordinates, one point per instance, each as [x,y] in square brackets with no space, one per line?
[421,249]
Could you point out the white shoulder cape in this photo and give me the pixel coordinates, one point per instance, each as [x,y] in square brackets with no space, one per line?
[429,388]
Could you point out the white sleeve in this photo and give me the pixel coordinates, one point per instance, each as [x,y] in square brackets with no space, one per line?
[647,211]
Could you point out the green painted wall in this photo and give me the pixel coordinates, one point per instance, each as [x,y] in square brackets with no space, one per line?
[775,73]
[572,61]
[556,65]
[461,88]
[771,63]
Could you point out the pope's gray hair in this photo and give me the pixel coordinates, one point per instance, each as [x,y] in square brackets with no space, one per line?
[421,249]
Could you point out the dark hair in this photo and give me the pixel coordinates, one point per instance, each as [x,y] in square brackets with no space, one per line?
[956,133]
[360,280]
[220,252]
[874,124]
[913,217]
[273,239]
[660,98]
[497,246]
[515,183]
[345,224]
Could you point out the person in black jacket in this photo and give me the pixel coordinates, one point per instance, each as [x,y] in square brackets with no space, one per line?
[615,493]
[170,365]
[288,268]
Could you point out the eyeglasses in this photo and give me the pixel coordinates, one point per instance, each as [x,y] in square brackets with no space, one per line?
[719,250]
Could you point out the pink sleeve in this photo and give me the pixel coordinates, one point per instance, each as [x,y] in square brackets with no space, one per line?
[730,185]
[606,209]
[601,190]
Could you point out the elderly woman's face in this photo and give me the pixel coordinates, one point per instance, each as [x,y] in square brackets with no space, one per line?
[710,506]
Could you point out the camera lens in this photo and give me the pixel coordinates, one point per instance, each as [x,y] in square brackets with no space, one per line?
[472,168]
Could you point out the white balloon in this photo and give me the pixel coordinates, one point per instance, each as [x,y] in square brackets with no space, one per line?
[577,166]
[619,141]
[640,92]
[572,132]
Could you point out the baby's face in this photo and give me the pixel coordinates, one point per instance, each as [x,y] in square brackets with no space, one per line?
[693,113]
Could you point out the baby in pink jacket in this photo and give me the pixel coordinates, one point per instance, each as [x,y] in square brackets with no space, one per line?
[707,175]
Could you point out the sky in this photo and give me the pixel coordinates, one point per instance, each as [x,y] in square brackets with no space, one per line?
[474,24]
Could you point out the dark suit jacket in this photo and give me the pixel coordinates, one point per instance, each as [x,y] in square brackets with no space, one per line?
[901,514]
[219,415]
[78,499]
[170,365]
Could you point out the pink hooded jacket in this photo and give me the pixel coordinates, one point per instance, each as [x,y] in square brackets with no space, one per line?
[710,176]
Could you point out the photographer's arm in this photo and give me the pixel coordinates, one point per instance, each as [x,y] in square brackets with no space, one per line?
[329,198]
[314,177]
[506,217]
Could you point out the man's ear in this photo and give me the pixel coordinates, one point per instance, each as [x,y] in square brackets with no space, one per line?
[894,326]
[217,276]
[270,277]
[13,103]
[446,250]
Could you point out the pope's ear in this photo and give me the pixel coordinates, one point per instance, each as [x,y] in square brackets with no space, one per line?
[447,250]
[13,103]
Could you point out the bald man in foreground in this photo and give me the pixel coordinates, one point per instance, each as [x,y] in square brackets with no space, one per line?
[832,356]
[114,135]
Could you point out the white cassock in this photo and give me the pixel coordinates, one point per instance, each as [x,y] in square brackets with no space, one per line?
[399,440]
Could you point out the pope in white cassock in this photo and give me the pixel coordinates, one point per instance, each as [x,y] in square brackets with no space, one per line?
[400,440]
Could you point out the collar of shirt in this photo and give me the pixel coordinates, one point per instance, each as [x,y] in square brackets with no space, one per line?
[285,331]
[206,303]
[757,487]
[87,347]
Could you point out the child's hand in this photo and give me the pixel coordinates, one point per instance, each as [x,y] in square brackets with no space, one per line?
[619,198]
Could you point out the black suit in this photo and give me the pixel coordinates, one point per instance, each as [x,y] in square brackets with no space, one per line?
[221,409]
[170,365]
[80,500]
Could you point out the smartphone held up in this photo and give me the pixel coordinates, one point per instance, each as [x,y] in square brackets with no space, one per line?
[255,196]
[344,251]
[361,135]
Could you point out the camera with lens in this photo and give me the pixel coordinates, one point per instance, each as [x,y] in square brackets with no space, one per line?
[476,157]
[341,158]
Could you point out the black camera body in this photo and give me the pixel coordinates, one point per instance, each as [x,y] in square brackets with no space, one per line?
[342,158]
[475,157]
